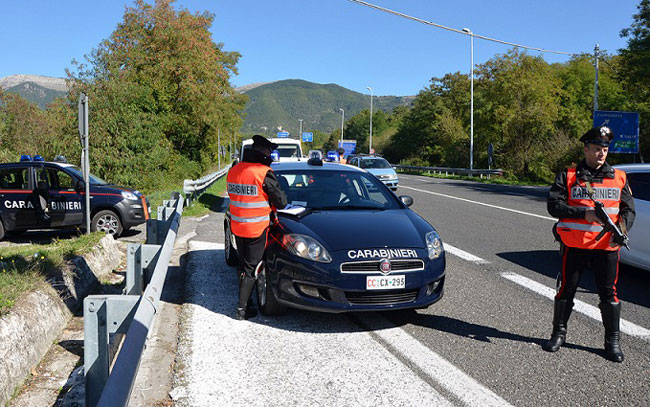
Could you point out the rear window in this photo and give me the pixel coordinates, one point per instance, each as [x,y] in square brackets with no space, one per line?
[14,178]
[640,184]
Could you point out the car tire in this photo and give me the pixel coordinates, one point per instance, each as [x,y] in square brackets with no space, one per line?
[108,222]
[229,251]
[266,300]
[2,231]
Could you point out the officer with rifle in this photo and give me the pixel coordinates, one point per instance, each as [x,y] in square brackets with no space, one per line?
[594,204]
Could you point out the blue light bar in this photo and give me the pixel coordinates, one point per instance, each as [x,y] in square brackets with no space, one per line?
[25,157]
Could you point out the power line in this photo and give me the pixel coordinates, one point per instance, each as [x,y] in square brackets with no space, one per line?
[419,20]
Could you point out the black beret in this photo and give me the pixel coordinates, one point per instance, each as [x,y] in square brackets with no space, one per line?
[263,142]
[601,136]
[340,151]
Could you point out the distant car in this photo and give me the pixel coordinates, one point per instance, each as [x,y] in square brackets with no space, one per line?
[355,247]
[378,167]
[638,176]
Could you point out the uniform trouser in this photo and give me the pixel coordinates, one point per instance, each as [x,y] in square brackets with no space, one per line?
[604,264]
[250,251]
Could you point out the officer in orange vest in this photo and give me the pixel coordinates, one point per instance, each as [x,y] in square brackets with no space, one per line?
[253,190]
[569,199]
[341,153]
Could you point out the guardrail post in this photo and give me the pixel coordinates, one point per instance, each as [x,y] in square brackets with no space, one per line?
[134,282]
[103,315]
[149,253]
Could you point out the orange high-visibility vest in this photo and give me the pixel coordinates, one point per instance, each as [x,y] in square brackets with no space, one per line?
[249,204]
[581,233]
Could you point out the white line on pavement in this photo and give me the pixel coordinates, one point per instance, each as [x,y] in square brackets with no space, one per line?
[199,245]
[463,254]
[580,306]
[480,203]
[468,390]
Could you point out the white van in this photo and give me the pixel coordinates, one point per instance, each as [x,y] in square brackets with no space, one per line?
[288,149]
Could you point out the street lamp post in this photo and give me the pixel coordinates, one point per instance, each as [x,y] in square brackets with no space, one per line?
[370,146]
[300,134]
[342,121]
[471,114]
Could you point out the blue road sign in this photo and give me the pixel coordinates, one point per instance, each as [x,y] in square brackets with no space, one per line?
[307,137]
[283,134]
[625,126]
[350,146]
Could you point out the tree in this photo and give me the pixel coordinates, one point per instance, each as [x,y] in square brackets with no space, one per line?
[635,70]
[159,92]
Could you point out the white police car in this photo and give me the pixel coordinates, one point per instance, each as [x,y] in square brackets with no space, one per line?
[35,194]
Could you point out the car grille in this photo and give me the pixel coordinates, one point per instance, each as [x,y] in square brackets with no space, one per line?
[373,266]
[381,298]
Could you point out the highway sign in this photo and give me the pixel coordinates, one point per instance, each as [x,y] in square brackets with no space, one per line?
[307,137]
[625,126]
[283,134]
[350,146]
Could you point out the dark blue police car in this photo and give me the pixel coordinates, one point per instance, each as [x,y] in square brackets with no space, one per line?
[35,194]
[356,246]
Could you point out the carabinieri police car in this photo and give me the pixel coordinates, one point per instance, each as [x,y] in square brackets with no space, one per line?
[355,246]
[35,194]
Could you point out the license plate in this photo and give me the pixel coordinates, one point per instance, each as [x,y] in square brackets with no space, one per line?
[385,282]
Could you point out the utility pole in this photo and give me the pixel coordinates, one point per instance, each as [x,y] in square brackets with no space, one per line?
[85,161]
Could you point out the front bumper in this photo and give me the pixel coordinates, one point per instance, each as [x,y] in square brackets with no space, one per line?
[303,284]
[134,212]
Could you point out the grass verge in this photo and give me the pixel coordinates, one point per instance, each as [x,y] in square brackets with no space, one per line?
[26,267]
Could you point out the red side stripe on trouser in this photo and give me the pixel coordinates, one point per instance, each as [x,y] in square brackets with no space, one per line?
[563,284]
[616,278]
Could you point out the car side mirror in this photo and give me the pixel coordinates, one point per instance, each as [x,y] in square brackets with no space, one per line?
[406,200]
[79,186]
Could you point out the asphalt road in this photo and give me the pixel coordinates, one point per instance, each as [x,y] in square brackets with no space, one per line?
[480,345]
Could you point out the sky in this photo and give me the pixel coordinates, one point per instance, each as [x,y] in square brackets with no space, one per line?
[327,41]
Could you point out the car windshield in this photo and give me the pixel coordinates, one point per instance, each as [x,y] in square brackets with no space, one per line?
[94,180]
[345,190]
[288,151]
[374,163]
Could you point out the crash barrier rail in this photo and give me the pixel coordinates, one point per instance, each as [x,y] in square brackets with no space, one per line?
[132,313]
[194,188]
[452,171]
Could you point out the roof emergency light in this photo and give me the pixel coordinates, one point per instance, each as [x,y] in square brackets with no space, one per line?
[315,157]
[37,157]
[25,157]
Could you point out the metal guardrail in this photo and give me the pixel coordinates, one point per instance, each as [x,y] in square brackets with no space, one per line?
[132,313]
[453,171]
[193,188]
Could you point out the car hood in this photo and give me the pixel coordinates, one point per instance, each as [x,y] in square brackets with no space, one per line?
[358,229]
[381,171]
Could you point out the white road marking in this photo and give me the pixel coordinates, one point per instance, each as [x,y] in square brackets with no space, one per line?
[579,306]
[463,254]
[468,390]
[199,245]
[481,203]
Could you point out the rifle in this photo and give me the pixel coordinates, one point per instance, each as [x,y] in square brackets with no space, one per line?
[619,237]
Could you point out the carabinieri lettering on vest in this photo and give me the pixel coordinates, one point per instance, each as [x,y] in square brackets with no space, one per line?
[603,194]
[242,189]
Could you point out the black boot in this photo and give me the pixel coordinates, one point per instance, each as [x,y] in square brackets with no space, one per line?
[246,285]
[561,312]
[611,313]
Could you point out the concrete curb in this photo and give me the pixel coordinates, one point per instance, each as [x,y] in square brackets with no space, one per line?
[38,317]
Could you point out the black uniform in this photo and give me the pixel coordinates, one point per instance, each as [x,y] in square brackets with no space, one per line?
[604,263]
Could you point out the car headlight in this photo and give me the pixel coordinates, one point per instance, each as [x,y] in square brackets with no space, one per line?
[434,245]
[306,247]
[129,195]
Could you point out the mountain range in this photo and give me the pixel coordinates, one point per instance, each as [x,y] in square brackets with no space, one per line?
[272,106]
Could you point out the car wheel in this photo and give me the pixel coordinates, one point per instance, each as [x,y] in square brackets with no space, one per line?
[108,222]
[266,300]
[2,231]
[228,249]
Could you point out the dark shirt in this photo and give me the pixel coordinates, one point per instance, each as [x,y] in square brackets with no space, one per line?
[271,186]
[558,194]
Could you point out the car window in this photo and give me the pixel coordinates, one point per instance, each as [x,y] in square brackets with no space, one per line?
[14,178]
[60,180]
[92,179]
[335,190]
[288,151]
[375,163]
[640,184]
